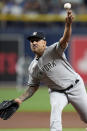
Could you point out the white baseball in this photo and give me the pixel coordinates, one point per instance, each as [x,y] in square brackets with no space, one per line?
[67,6]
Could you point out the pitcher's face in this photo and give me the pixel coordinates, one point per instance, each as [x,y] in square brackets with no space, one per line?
[38,46]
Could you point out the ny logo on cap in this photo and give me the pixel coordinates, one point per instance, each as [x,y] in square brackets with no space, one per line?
[34,33]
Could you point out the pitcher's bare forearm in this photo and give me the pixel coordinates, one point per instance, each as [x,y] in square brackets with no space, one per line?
[67,31]
[66,36]
[28,93]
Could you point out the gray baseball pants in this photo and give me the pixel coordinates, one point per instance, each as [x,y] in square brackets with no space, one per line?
[77,96]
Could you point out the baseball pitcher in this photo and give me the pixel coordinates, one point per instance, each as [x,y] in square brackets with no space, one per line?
[50,66]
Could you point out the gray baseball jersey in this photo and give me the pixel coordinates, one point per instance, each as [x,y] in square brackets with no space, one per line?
[52,68]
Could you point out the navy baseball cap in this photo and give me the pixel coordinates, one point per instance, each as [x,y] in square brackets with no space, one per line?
[38,35]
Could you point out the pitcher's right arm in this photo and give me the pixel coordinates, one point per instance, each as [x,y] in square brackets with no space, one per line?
[27,94]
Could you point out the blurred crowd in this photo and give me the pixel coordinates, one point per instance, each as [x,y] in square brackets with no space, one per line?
[18,7]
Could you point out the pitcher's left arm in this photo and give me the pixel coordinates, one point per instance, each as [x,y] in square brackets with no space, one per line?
[67,31]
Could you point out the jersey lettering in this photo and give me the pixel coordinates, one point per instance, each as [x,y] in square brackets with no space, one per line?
[49,66]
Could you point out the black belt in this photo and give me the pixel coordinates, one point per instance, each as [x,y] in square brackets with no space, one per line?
[68,88]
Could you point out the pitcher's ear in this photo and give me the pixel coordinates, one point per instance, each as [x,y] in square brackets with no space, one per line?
[45,42]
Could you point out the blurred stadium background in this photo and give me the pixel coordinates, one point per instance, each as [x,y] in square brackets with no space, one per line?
[18,19]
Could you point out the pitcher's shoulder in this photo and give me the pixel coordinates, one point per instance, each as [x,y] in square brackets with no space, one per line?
[32,64]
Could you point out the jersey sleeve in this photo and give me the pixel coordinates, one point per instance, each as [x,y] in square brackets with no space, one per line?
[33,81]
[59,49]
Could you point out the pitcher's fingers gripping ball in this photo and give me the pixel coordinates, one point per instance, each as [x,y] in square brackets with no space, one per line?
[69,17]
[8,108]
